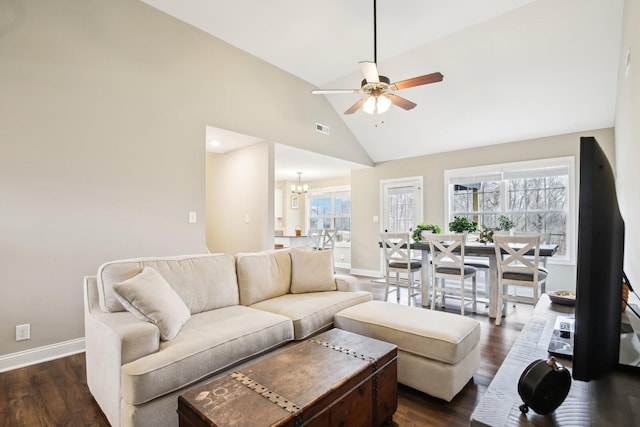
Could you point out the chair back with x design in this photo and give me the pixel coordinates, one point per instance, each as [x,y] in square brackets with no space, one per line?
[447,263]
[397,259]
[518,266]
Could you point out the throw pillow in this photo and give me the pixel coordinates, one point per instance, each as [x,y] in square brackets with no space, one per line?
[149,297]
[311,271]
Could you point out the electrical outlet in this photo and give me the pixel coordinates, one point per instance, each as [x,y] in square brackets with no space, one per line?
[23,332]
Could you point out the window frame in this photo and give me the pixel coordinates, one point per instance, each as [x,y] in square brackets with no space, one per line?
[332,192]
[524,168]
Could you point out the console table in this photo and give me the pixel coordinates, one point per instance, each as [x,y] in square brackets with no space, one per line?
[611,401]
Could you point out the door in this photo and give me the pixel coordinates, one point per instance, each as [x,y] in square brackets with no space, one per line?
[401,208]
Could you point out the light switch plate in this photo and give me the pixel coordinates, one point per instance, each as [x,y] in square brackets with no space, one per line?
[23,332]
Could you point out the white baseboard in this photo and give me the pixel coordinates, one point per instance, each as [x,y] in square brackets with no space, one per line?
[366,273]
[41,354]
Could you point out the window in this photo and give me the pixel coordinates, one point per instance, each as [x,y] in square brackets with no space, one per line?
[331,209]
[537,196]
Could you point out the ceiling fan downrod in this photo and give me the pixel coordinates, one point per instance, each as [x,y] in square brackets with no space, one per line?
[375,33]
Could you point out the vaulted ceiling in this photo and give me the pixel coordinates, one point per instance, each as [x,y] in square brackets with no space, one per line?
[513,69]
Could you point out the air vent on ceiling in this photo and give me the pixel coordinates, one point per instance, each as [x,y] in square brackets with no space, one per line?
[322,128]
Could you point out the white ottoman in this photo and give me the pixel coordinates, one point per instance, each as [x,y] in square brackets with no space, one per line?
[438,352]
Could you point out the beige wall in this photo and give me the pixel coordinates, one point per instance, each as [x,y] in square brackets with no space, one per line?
[365,186]
[628,138]
[239,200]
[103,108]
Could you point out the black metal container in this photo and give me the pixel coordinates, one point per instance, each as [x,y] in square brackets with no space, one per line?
[543,386]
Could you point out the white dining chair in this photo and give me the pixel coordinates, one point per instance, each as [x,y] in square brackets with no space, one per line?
[397,260]
[545,238]
[328,238]
[482,266]
[315,238]
[447,263]
[518,269]
[328,243]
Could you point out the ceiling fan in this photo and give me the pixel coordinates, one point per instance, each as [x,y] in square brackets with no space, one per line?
[378,88]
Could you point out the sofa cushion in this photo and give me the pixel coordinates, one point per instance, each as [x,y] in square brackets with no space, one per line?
[208,343]
[150,298]
[204,282]
[263,275]
[311,271]
[312,312]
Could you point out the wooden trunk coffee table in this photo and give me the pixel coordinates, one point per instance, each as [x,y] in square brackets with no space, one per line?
[335,378]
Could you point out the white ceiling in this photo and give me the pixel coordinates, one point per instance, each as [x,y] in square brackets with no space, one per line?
[291,160]
[288,160]
[513,69]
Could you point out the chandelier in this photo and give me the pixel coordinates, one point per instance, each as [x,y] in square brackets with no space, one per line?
[299,188]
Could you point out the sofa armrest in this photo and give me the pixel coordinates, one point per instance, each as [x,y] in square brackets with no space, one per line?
[346,283]
[111,340]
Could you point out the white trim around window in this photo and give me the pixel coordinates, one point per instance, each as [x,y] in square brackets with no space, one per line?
[505,171]
[332,191]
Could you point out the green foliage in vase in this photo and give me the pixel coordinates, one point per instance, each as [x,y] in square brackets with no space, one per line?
[460,224]
[505,223]
[417,233]
[486,234]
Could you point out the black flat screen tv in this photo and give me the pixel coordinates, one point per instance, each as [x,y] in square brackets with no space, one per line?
[599,267]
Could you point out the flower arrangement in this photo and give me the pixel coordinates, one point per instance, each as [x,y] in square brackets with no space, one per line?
[417,233]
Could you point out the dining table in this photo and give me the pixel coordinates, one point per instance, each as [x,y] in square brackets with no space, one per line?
[474,249]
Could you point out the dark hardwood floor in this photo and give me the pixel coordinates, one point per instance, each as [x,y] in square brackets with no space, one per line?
[418,409]
[55,393]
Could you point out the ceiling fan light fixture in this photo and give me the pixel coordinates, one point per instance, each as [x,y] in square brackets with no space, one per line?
[376,104]
[379,88]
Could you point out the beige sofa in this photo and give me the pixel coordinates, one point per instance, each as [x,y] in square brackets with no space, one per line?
[156,327]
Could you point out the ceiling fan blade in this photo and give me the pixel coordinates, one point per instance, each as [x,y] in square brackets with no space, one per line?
[400,101]
[370,72]
[355,107]
[326,91]
[417,81]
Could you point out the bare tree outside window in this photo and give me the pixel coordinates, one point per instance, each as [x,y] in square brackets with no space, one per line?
[537,203]
[400,210]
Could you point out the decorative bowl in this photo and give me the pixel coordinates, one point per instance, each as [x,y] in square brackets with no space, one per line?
[563,297]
